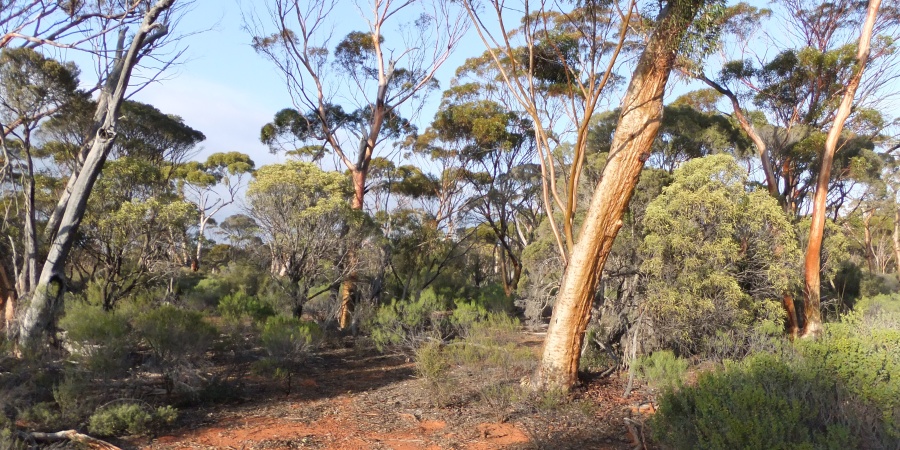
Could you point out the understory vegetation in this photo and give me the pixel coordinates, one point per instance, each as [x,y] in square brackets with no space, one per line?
[727,260]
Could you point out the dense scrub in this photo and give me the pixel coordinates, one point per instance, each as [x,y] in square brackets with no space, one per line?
[841,391]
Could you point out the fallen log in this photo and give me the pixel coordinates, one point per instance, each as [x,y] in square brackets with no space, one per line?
[68,435]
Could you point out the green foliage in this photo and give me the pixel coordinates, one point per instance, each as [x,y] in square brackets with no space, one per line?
[488,348]
[887,305]
[44,415]
[662,370]
[175,335]
[715,253]
[74,396]
[408,324]
[129,419]
[761,403]
[836,392]
[100,339]
[861,354]
[238,305]
[288,338]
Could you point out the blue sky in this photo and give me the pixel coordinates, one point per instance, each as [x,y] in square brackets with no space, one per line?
[227,91]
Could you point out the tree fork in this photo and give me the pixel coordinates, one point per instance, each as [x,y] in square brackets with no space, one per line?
[637,127]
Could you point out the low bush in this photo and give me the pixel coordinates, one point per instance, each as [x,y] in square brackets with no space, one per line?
[129,419]
[238,305]
[100,340]
[840,391]
[288,338]
[175,335]
[407,325]
[662,370]
[484,362]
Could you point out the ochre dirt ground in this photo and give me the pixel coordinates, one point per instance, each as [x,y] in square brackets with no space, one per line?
[352,399]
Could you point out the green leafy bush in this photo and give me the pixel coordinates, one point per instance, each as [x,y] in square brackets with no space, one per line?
[289,338]
[100,339]
[714,252]
[237,305]
[662,369]
[175,335]
[841,391]
[129,419]
[409,324]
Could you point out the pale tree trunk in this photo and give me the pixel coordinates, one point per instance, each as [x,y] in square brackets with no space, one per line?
[867,242]
[28,274]
[637,127]
[813,264]
[51,284]
[7,298]
[896,238]
[195,264]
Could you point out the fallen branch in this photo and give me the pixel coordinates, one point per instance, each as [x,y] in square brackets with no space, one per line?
[68,435]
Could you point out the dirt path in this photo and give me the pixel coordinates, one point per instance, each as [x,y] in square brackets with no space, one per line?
[345,400]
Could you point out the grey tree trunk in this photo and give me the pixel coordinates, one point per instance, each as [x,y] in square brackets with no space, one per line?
[47,294]
[638,124]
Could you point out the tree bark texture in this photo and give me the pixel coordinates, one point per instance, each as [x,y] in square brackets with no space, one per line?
[813,262]
[51,284]
[638,124]
[348,288]
[896,238]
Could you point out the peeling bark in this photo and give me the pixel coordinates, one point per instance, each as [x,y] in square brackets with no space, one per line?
[637,128]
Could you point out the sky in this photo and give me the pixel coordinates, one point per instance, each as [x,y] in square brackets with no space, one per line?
[228,92]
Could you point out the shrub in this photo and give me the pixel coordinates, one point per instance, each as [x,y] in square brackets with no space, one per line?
[100,339]
[237,305]
[129,418]
[838,392]
[289,338]
[208,291]
[662,369]
[175,335]
[409,324]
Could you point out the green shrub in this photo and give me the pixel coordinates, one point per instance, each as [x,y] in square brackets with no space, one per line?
[100,339]
[43,415]
[208,291]
[289,338]
[840,391]
[175,335]
[861,354]
[129,419]
[888,305]
[75,398]
[237,305]
[409,324]
[662,369]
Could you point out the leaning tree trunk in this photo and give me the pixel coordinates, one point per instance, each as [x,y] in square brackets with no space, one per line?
[896,238]
[637,127]
[813,263]
[51,284]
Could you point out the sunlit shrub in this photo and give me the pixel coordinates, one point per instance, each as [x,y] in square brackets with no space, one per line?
[100,339]
[238,305]
[840,391]
[129,419]
[175,335]
[289,338]
[662,369]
